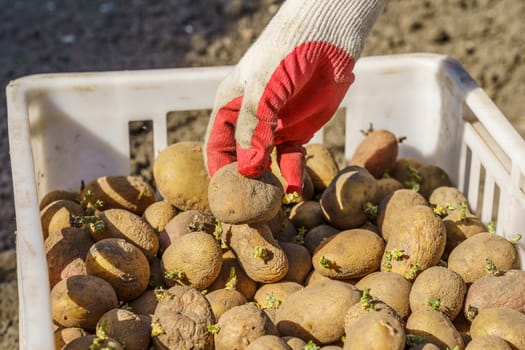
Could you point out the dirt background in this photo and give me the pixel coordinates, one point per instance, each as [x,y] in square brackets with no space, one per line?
[38,36]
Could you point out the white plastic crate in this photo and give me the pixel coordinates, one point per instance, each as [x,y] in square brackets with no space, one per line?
[64,128]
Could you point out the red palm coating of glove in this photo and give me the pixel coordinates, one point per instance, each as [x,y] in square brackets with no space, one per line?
[302,94]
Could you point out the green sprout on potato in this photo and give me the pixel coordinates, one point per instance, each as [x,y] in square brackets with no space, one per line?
[463,208]
[89,208]
[177,276]
[411,273]
[218,234]
[231,283]
[491,268]
[99,343]
[272,300]
[261,253]
[325,262]
[213,328]
[435,304]
[443,211]
[103,328]
[516,239]
[366,300]
[96,223]
[415,179]
[161,293]
[413,340]
[472,312]
[311,346]
[299,237]
[491,227]
[126,307]
[394,254]
[370,210]
[290,198]
[343,339]
[156,328]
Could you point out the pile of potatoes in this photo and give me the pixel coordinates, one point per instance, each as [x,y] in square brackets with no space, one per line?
[382,254]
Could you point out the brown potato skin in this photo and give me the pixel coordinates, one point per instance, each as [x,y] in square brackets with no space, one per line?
[307,214]
[242,325]
[181,176]
[389,287]
[121,264]
[421,235]
[236,199]
[447,195]
[56,195]
[183,315]
[488,342]
[85,342]
[375,330]
[231,271]
[280,290]
[58,214]
[320,165]
[66,335]
[317,235]
[391,208]
[506,323]
[315,311]
[268,342]
[343,200]
[158,214]
[185,222]
[377,152]
[79,301]
[121,223]
[507,290]
[352,254]
[132,330]
[357,310]
[299,261]
[198,255]
[435,327]
[221,300]
[468,258]
[432,177]
[66,252]
[387,185]
[132,193]
[145,304]
[438,282]
[244,239]
[459,229]
[400,172]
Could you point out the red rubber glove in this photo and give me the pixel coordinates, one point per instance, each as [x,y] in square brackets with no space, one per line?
[287,86]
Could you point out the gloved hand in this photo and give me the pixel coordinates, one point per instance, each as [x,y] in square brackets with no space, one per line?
[287,86]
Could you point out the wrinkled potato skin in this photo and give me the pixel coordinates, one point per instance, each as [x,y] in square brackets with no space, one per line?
[198,255]
[181,176]
[435,327]
[375,330]
[438,283]
[132,193]
[507,290]
[320,165]
[343,200]
[485,342]
[421,235]
[57,215]
[79,301]
[183,314]
[389,287]
[468,258]
[121,264]
[502,322]
[221,300]
[66,252]
[236,199]
[245,239]
[315,311]
[351,254]
[121,223]
[132,330]
[242,325]
[377,152]
[391,208]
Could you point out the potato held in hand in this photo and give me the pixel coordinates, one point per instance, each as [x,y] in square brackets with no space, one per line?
[236,199]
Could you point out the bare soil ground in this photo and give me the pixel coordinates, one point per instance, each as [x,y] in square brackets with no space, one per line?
[94,35]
